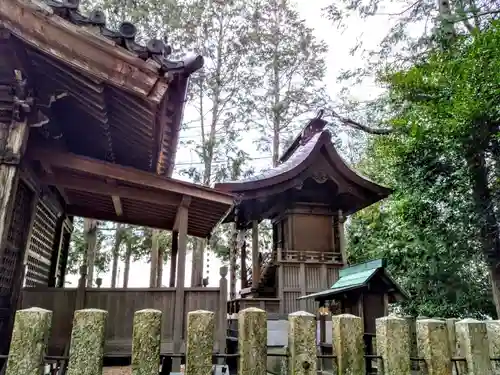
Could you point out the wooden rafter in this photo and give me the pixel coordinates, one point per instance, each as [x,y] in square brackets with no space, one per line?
[66,181]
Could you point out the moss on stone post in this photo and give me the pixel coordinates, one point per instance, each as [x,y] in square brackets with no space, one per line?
[452,340]
[493,327]
[473,344]
[349,344]
[393,345]
[87,342]
[433,346]
[146,340]
[29,342]
[302,343]
[252,341]
[199,342]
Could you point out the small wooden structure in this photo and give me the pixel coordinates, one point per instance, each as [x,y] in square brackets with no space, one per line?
[307,198]
[89,126]
[365,290]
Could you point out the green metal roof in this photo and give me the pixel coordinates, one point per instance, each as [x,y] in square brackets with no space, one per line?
[355,277]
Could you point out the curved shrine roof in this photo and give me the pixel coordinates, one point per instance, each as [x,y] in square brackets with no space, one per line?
[302,158]
[312,155]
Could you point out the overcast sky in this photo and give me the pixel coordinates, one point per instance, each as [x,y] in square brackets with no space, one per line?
[338,57]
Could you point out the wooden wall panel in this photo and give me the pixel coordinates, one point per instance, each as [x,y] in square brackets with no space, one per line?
[313,278]
[291,276]
[312,232]
[121,304]
[290,302]
[332,275]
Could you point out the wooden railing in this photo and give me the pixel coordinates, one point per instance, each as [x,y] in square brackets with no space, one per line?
[265,260]
[309,256]
[121,305]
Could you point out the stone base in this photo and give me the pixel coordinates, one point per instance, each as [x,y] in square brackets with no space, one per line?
[121,370]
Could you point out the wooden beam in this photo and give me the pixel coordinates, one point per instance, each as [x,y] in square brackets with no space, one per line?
[47,170]
[36,24]
[117,204]
[185,202]
[102,188]
[126,174]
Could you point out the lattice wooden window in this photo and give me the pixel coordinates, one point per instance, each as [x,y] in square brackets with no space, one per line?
[41,246]
[16,242]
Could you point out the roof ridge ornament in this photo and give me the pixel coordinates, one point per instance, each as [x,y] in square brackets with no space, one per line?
[314,126]
[155,49]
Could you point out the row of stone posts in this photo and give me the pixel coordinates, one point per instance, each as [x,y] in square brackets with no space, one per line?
[477,344]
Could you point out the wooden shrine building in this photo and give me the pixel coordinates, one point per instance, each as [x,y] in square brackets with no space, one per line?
[89,126]
[307,198]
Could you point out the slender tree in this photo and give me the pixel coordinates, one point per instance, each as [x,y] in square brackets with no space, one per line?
[288,64]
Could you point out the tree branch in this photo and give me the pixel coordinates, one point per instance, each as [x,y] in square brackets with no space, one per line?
[358,126]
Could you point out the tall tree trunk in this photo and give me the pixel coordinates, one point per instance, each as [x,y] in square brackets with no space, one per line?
[153,274]
[90,229]
[484,208]
[126,271]
[116,254]
[161,252]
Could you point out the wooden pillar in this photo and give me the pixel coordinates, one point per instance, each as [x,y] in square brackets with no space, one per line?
[13,139]
[173,258]
[341,221]
[255,255]
[243,260]
[222,314]
[64,252]
[153,271]
[232,263]
[181,226]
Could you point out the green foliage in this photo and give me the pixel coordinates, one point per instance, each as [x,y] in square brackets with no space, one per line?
[432,229]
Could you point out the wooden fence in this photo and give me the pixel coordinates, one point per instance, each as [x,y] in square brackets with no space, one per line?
[477,344]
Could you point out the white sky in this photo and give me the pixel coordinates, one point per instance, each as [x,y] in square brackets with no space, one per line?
[371,30]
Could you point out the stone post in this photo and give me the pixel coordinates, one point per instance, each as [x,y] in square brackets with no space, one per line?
[473,344]
[349,344]
[411,320]
[200,342]
[146,340]
[393,345]
[252,341]
[432,342]
[493,327]
[302,343]
[29,342]
[87,342]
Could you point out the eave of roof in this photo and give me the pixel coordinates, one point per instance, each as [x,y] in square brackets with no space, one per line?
[358,277]
[301,159]
[92,187]
[86,45]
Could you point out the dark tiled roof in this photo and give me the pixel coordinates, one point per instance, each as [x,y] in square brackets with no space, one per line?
[155,49]
[299,156]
